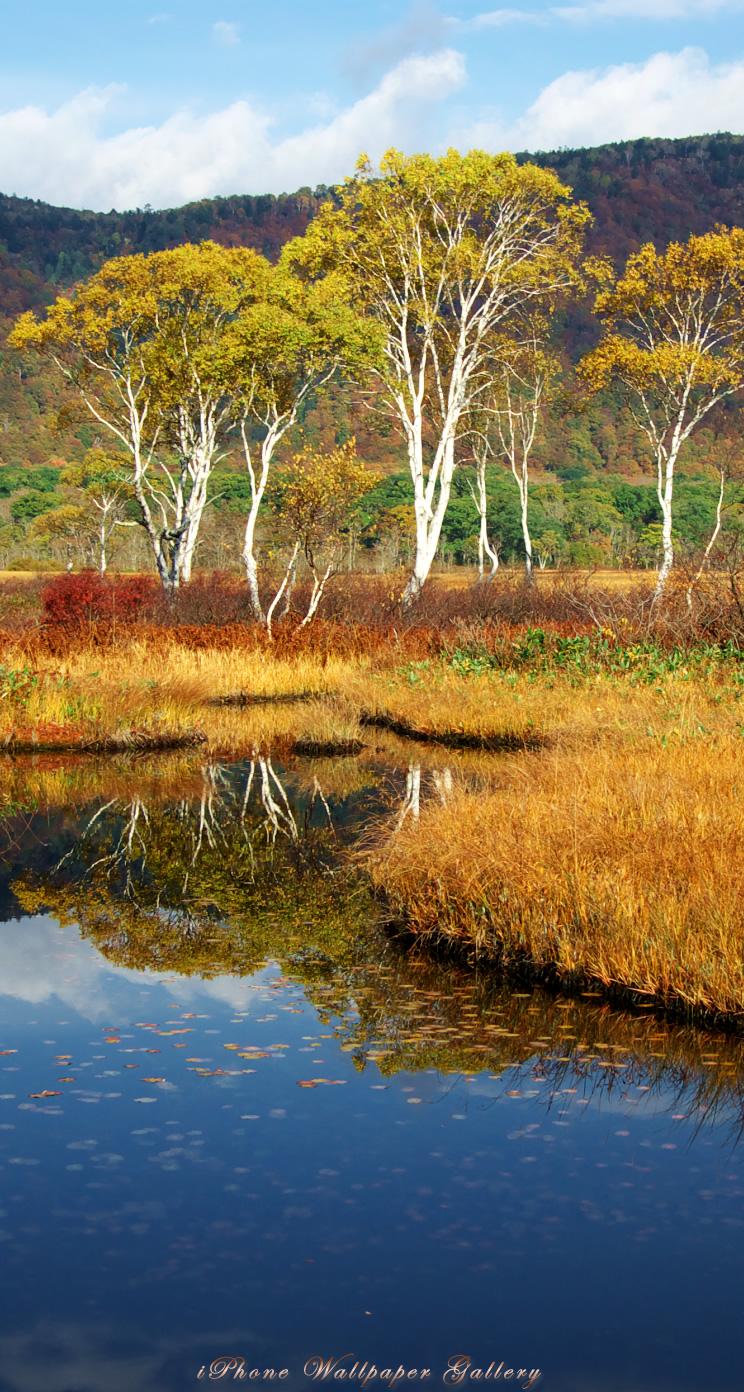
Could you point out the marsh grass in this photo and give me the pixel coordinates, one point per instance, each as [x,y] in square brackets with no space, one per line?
[237,697]
[619,865]
[611,856]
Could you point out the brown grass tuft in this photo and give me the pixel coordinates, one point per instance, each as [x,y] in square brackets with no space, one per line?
[621,866]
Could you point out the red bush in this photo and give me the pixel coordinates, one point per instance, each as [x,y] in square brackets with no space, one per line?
[87,598]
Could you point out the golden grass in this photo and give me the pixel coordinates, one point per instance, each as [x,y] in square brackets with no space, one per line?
[614,853]
[617,865]
[548,707]
[138,686]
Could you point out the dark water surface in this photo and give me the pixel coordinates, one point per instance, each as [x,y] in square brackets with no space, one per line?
[312,1144]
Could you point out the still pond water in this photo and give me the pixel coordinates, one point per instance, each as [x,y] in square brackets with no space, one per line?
[238,1122]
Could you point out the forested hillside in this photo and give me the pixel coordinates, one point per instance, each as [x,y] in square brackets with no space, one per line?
[589,466]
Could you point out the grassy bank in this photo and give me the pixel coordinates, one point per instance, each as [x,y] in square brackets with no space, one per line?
[601,845]
[619,865]
[468,686]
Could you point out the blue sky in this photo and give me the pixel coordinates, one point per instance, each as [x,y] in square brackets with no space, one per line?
[110,104]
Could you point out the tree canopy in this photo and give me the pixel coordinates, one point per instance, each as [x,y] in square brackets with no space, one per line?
[673,337]
[444,253]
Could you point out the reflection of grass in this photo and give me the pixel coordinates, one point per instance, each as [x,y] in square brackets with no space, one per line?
[183,903]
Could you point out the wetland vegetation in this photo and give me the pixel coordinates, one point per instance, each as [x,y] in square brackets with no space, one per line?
[294,1090]
[572,809]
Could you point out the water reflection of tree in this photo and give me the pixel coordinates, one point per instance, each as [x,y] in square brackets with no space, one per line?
[217,880]
[239,870]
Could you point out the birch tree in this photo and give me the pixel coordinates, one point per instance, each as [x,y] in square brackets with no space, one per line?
[101,479]
[147,350]
[520,385]
[481,451]
[289,346]
[673,337]
[316,499]
[442,253]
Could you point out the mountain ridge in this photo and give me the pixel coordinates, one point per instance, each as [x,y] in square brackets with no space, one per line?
[649,189]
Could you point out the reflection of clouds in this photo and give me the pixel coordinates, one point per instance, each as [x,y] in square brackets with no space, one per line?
[58,1357]
[40,961]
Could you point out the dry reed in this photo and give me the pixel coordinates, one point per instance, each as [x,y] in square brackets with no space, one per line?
[621,865]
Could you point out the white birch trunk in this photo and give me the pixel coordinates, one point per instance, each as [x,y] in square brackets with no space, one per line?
[478,494]
[517,426]
[258,481]
[276,423]
[711,543]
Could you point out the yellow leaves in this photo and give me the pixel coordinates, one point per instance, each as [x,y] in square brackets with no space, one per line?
[439,219]
[319,491]
[674,327]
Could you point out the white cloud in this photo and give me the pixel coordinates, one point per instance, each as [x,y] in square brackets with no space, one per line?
[671,94]
[62,156]
[225,33]
[495,19]
[644,9]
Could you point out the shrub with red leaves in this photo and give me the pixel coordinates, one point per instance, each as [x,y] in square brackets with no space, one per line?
[88,598]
